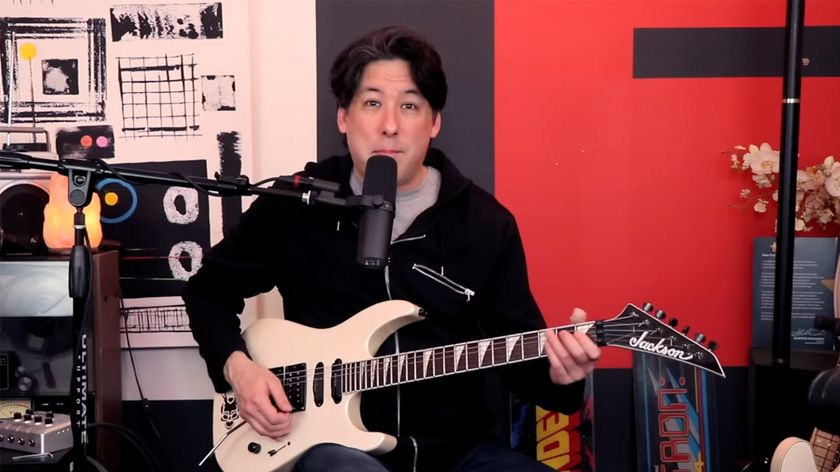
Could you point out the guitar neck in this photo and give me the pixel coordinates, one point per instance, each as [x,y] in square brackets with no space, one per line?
[413,366]
[826,447]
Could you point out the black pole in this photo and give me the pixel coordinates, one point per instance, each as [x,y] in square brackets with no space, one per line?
[785,233]
[79,194]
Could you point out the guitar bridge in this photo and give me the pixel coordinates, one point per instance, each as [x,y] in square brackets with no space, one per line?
[293,378]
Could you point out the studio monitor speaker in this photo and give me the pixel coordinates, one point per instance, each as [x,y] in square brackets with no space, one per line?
[23,196]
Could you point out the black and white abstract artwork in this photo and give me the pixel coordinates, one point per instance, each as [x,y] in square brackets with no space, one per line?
[60,76]
[53,69]
[173,21]
[159,95]
[218,92]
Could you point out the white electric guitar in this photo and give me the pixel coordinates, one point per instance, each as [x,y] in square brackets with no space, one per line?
[323,372]
[798,455]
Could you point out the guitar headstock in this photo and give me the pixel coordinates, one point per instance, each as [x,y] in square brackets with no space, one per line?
[638,329]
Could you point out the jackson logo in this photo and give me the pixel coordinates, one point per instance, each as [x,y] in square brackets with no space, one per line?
[659,348]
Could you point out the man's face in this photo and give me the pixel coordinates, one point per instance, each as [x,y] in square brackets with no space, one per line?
[389,116]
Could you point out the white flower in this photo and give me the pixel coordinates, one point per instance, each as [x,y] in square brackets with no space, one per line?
[763,180]
[817,189]
[824,216]
[805,180]
[832,181]
[762,160]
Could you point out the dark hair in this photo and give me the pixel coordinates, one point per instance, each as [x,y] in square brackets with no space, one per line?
[392,42]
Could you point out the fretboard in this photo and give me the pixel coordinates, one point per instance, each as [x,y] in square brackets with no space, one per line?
[825,447]
[413,366]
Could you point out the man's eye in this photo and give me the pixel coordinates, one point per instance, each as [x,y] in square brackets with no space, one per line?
[410,106]
[372,103]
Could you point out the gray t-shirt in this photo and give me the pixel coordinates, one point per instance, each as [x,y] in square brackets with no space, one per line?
[409,204]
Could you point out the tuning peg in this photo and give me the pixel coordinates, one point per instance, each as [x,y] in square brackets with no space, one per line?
[673,322]
[647,307]
[660,314]
[713,346]
[700,337]
[686,330]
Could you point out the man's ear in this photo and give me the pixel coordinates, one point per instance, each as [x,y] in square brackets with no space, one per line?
[436,124]
[341,119]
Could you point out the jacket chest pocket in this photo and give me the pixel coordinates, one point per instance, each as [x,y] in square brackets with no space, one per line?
[445,282]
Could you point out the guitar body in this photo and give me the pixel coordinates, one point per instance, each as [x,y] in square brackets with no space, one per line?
[277,342]
[793,455]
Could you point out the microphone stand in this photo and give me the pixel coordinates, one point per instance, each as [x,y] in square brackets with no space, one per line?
[83,175]
[783,288]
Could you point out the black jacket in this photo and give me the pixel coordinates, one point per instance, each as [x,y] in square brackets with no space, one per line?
[308,253]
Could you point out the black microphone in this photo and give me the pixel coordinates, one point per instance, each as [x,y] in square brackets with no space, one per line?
[377,217]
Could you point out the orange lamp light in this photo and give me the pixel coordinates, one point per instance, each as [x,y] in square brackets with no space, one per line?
[58,217]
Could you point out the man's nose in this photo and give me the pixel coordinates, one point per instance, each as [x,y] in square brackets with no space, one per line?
[390,122]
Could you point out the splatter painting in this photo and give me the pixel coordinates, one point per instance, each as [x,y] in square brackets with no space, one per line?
[187,21]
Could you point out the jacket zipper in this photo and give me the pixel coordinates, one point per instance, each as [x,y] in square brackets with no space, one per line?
[396,348]
[444,280]
[397,334]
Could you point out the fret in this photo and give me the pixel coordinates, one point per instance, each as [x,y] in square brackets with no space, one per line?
[530,345]
[402,368]
[460,358]
[485,353]
[499,351]
[472,355]
[543,335]
[448,360]
[369,370]
[824,447]
[386,371]
[379,379]
[395,369]
[514,348]
[348,378]
[437,367]
[419,362]
[409,360]
[427,363]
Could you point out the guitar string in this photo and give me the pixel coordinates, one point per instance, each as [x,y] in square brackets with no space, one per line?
[356,376]
[439,355]
[299,376]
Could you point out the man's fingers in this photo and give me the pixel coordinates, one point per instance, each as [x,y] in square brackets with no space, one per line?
[278,397]
[578,315]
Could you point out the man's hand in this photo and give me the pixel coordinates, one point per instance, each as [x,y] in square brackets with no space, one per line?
[257,392]
[572,356]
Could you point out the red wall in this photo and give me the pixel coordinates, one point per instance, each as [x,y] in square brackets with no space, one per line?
[621,186]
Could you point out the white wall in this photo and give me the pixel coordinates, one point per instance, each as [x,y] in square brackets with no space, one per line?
[283,117]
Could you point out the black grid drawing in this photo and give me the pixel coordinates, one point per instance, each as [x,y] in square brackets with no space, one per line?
[159,96]
[155,319]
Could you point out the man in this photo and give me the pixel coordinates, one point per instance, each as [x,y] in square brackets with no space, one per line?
[455,252]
